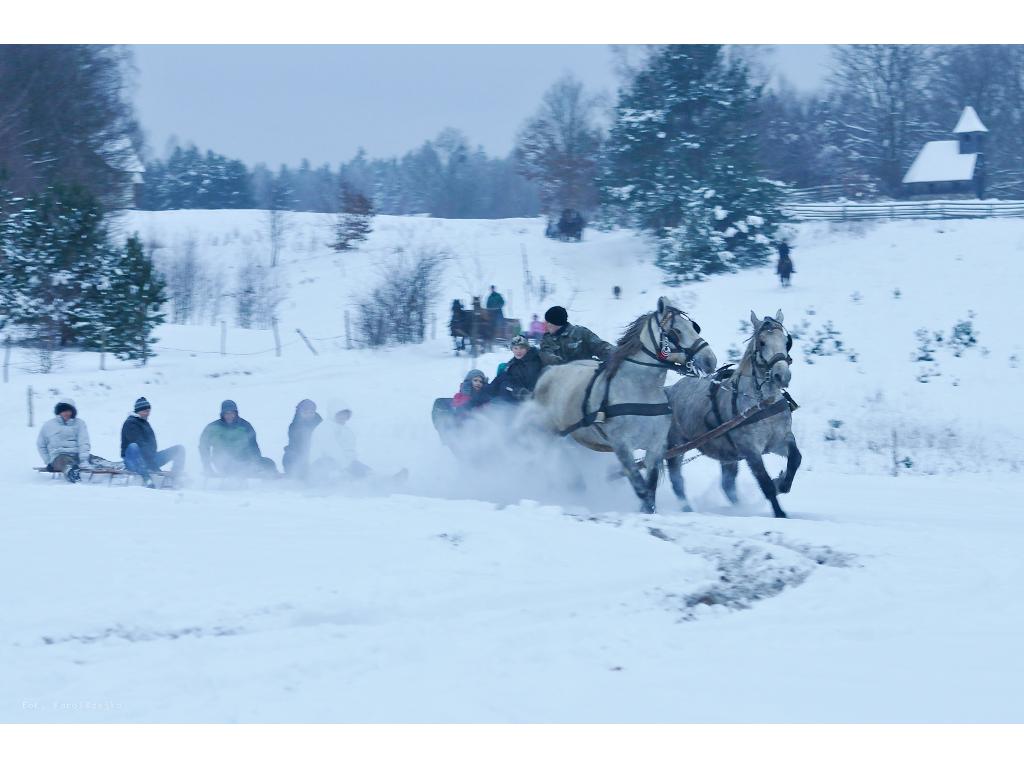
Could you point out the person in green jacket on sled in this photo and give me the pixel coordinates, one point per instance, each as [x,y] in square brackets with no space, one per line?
[228,447]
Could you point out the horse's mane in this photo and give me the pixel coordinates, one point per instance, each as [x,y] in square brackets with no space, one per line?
[628,344]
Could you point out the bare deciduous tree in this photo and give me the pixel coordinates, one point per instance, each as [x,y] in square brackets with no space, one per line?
[558,148]
[258,295]
[882,94]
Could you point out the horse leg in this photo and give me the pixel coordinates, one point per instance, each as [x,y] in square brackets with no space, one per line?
[675,474]
[625,458]
[764,480]
[793,458]
[652,479]
[729,470]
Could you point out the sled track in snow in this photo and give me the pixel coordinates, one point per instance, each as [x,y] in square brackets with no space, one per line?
[751,569]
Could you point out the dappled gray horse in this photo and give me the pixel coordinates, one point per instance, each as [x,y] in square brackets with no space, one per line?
[699,405]
[621,405]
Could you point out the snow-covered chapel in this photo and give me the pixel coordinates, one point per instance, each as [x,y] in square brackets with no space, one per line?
[951,166]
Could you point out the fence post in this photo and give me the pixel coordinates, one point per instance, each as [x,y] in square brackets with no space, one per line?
[30,420]
[299,331]
[7,357]
[223,338]
[895,462]
[433,326]
[348,331]
[277,337]
[103,350]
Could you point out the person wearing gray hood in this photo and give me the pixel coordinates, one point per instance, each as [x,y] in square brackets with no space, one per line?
[63,441]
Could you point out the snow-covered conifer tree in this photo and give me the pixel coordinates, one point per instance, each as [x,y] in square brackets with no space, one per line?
[682,162]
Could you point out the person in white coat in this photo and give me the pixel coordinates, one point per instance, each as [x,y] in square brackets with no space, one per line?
[332,450]
[63,441]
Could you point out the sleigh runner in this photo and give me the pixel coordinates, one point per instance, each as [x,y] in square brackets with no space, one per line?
[161,478]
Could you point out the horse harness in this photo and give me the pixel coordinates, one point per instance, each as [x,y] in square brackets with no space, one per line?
[669,342]
[759,412]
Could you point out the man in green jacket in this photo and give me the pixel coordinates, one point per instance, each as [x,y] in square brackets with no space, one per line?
[228,446]
[564,342]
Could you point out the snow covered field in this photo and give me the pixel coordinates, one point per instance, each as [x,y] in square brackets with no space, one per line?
[892,595]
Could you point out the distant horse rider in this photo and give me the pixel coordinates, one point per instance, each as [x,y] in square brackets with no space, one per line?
[785,265]
[495,304]
[564,342]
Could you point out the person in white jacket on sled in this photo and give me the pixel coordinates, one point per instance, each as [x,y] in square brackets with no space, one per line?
[332,450]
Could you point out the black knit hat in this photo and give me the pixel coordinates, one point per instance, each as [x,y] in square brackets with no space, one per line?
[142,404]
[557,315]
[228,405]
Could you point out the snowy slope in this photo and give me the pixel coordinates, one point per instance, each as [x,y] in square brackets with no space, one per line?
[501,596]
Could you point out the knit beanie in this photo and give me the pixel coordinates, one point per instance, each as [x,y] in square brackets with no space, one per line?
[228,405]
[557,316]
[141,404]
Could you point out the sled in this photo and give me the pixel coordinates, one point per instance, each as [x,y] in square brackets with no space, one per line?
[161,479]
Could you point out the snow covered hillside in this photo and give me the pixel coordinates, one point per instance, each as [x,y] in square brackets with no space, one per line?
[465,595]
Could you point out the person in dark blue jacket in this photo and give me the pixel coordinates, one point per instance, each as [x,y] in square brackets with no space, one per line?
[138,446]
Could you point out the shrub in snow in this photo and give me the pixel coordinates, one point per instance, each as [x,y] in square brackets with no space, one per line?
[926,345]
[963,336]
[833,434]
[799,330]
[396,311]
[825,342]
[927,373]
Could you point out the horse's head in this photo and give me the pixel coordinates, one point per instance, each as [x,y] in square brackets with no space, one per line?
[770,349]
[680,341]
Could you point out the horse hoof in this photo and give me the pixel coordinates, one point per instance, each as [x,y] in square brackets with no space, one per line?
[780,513]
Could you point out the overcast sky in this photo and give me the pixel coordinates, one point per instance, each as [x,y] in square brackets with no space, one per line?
[280,104]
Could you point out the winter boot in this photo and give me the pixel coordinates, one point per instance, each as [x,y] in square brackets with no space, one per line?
[72,475]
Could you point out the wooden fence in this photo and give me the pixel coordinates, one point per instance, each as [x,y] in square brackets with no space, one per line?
[925,209]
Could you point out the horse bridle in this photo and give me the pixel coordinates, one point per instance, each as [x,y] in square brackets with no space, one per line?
[669,342]
[778,357]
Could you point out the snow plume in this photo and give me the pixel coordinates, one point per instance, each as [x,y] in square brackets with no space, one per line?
[502,454]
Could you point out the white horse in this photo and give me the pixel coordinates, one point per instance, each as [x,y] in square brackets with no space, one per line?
[698,405]
[621,406]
